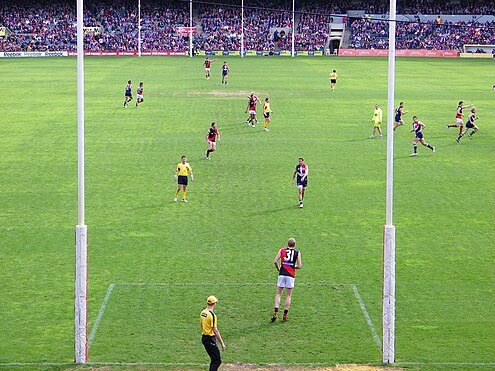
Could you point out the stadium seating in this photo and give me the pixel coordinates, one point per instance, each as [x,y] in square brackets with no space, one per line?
[374,35]
[51,25]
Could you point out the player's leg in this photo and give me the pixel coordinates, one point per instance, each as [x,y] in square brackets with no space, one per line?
[379,131]
[184,192]
[300,189]
[208,151]
[211,348]
[278,297]
[475,130]
[252,119]
[211,148]
[179,187]
[415,147]
[423,142]
[288,298]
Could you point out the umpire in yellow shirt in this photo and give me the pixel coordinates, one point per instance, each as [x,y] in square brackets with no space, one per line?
[209,321]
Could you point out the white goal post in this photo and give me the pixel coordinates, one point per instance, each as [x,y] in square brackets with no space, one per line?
[81,260]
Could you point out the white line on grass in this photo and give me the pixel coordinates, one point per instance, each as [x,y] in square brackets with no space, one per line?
[367,316]
[230,284]
[235,138]
[100,314]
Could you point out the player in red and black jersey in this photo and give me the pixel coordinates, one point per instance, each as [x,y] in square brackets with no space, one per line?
[301,171]
[290,259]
[207,66]
[459,123]
[251,106]
[211,136]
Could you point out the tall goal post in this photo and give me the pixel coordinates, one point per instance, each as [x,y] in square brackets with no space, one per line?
[388,313]
[81,261]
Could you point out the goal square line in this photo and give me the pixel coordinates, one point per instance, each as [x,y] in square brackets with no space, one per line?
[234,286]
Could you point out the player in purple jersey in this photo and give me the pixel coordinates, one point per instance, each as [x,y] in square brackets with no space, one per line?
[470,125]
[418,127]
[128,93]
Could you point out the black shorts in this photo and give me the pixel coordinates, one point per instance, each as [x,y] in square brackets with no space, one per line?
[469,125]
[182,180]
[333,81]
[303,183]
[128,94]
[267,115]
[419,135]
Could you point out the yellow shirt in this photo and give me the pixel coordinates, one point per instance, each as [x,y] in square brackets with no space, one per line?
[208,321]
[266,108]
[333,76]
[378,115]
[182,169]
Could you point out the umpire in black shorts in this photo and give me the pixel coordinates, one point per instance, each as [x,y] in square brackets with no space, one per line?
[209,321]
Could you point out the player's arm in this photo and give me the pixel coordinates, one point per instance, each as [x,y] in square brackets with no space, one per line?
[218,135]
[176,172]
[294,175]
[275,261]
[191,172]
[219,337]
[299,261]
[247,107]
[206,135]
[306,173]
[380,115]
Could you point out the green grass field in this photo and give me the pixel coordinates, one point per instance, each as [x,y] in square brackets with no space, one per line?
[156,261]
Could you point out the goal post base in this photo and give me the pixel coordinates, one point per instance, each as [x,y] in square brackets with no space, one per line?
[388,320]
[81,296]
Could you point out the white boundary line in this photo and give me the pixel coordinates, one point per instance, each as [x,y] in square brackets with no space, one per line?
[100,314]
[367,316]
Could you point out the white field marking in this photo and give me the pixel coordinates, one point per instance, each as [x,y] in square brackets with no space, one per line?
[230,284]
[170,364]
[100,314]
[367,316]
[235,138]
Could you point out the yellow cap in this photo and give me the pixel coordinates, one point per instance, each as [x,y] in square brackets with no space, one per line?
[211,300]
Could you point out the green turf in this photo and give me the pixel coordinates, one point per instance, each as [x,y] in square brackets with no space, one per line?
[242,209]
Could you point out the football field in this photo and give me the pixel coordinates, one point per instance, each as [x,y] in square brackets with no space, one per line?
[153,262]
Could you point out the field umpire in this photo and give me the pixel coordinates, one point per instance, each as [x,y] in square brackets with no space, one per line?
[209,322]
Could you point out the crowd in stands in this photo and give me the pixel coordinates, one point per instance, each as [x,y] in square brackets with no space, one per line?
[112,24]
[222,26]
[367,34]
[447,7]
